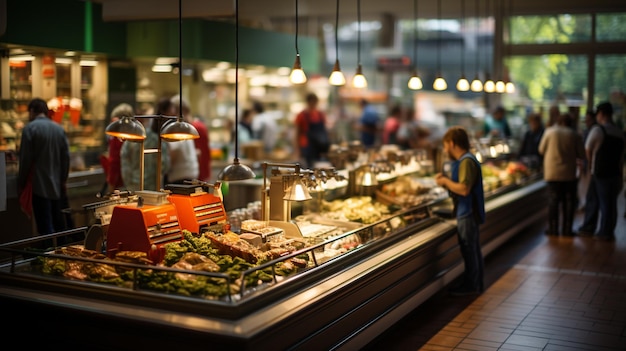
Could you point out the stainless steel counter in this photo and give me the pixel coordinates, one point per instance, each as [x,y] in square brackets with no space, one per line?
[341,305]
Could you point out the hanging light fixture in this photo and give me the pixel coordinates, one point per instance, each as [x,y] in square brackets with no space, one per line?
[127,128]
[297,75]
[462,84]
[359,80]
[179,129]
[490,85]
[500,84]
[337,77]
[236,171]
[509,87]
[440,83]
[477,84]
[415,83]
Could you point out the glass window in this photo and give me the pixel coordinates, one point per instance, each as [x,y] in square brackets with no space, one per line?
[610,84]
[611,26]
[546,80]
[558,29]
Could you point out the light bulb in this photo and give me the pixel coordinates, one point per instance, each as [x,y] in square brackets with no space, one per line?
[359,80]
[477,85]
[500,87]
[489,86]
[297,75]
[415,83]
[336,77]
[440,84]
[462,84]
[509,87]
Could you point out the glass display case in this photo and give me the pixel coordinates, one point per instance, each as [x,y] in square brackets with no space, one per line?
[345,274]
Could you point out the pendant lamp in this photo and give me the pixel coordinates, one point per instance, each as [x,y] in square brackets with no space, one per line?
[359,80]
[415,83]
[297,75]
[236,171]
[440,82]
[336,77]
[462,84]
[179,129]
[477,85]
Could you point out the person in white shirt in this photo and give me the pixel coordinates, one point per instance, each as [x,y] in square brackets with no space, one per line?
[264,127]
[561,148]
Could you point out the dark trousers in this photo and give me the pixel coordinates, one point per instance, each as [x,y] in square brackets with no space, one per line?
[561,199]
[469,242]
[592,207]
[608,189]
[48,214]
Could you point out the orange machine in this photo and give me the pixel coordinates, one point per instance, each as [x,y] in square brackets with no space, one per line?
[197,209]
[150,223]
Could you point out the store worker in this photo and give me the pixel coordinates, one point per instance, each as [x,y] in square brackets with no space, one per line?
[44,168]
[465,185]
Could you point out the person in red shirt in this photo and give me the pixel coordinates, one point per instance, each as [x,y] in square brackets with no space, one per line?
[203,150]
[311,133]
[391,126]
[112,163]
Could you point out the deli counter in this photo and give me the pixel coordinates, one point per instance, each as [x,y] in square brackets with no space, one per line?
[344,266]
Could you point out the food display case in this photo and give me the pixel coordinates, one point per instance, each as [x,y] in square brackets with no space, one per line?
[339,277]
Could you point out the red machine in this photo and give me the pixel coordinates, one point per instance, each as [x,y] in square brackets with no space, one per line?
[197,208]
[137,227]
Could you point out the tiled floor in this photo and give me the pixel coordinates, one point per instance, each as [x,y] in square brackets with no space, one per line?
[544,293]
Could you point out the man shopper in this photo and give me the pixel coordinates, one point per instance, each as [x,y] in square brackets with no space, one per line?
[562,149]
[45,162]
[605,152]
[465,185]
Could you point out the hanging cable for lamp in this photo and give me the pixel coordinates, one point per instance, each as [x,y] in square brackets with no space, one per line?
[440,83]
[297,75]
[415,83]
[359,80]
[337,77]
[236,171]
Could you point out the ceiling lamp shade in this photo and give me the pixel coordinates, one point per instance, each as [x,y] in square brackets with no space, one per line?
[359,80]
[500,86]
[297,75]
[477,85]
[415,83]
[462,84]
[509,87]
[489,86]
[178,130]
[127,128]
[336,77]
[440,84]
[236,171]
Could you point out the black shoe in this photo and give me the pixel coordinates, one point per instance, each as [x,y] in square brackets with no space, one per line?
[464,291]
